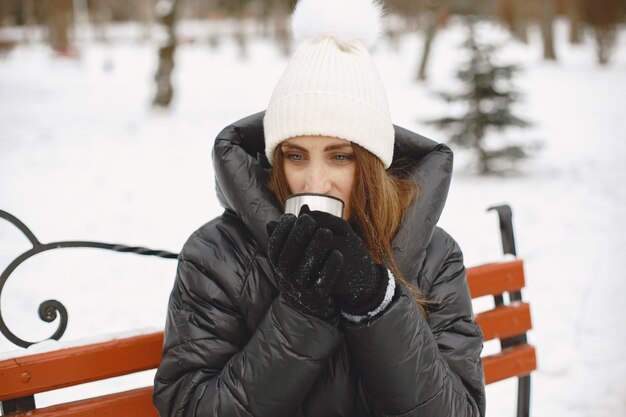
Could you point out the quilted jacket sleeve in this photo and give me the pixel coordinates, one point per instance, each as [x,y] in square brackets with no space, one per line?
[416,367]
[212,365]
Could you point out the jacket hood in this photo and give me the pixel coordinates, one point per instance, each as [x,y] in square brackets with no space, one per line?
[242,172]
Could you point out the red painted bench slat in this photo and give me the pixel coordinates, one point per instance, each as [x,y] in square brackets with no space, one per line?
[515,361]
[496,278]
[505,321]
[135,403]
[42,372]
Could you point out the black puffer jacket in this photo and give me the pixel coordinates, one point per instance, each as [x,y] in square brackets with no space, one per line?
[233,347]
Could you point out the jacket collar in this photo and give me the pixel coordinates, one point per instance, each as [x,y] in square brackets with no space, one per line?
[242,172]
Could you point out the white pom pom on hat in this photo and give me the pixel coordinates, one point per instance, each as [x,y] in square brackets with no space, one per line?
[331,86]
[344,20]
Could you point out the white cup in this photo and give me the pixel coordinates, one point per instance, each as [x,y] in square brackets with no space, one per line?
[316,202]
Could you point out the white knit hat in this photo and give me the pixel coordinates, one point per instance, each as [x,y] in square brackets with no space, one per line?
[330,86]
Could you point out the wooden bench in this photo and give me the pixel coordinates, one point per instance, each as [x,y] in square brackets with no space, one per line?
[507,323]
[24,376]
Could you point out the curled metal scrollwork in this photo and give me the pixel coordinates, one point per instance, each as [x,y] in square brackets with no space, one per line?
[50,309]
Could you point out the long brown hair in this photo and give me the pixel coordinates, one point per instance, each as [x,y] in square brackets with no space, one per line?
[378,201]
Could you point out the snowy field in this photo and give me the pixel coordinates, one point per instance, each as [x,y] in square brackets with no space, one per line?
[84,157]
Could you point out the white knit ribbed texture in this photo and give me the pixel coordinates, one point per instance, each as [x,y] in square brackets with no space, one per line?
[331,88]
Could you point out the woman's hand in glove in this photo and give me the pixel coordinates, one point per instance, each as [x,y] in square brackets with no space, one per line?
[362,284]
[305,264]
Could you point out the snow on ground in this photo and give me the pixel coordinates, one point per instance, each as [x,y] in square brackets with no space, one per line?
[83,156]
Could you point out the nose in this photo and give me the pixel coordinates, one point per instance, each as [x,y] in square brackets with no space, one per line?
[317,180]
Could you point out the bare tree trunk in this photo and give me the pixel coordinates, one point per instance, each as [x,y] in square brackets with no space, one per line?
[59,18]
[434,20]
[604,16]
[605,41]
[393,35]
[241,37]
[282,33]
[520,26]
[145,15]
[3,13]
[103,16]
[167,13]
[575,15]
[484,166]
[512,12]
[428,40]
[547,32]
[266,20]
[81,17]
[279,12]
[28,8]
[521,31]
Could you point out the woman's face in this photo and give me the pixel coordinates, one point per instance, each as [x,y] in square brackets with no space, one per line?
[320,164]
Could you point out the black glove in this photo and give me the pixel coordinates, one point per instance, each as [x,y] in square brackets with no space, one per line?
[306,266]
[361,285]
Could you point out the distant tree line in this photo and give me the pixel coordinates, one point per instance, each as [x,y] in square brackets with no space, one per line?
[599,18]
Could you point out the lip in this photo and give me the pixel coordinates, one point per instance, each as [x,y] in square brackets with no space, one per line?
[316,202]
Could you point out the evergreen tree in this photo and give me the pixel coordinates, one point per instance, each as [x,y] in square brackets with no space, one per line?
[488,95]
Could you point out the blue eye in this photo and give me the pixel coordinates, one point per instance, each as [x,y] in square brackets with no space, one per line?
[343,157]
[294,156]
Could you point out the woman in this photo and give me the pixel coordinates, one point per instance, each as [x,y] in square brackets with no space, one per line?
[314,315]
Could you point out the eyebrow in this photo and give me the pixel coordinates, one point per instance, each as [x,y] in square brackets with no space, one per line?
[326,149]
